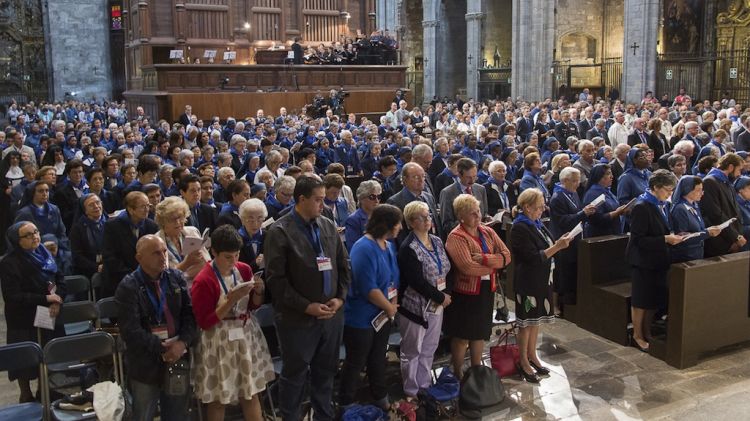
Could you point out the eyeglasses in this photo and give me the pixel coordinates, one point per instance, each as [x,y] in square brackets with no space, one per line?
[374,197]
[30,235]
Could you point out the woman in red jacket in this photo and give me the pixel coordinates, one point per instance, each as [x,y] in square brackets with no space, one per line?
[477,254]
[232,362]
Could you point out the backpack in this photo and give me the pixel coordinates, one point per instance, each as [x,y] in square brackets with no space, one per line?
[441,399]
[480,389]
[364,413]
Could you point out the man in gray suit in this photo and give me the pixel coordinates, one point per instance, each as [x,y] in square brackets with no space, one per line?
[413,178]
[467,176]
[308,274]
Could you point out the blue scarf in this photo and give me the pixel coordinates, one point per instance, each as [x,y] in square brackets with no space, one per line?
[95,230]
[40,213]
[719,175]
[661,206]
[274,203]
[523,219]
[599,189]
[43,260]
[228,207]
[82,185]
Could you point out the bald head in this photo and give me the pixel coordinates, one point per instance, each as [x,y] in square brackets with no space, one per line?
[151,254]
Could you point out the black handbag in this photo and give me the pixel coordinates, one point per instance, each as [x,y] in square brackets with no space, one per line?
[177,377]
[480,389]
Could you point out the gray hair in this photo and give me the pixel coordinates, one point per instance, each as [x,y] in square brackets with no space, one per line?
[683,145]
[690,124]
[571,140]
[236,139]
[166,168]
[569,172]
[285,183]
[274,156]
[421,150]
[253,205]
[367,188]
[584,143]
[184,154]
[224,170]
[494,165]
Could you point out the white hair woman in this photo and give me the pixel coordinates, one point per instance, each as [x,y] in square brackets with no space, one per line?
[252,214]
[171,215]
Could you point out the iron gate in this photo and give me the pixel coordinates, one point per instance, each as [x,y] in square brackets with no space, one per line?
[494,83]
[707,77]
[571,79]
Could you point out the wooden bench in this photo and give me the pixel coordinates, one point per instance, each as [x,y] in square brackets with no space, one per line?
[708,308]
[604,288]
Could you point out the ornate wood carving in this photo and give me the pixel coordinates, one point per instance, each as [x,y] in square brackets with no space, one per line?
[733,26]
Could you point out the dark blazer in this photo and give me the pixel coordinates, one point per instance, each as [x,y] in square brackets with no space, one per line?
[24,287]
[494,204]
[584,127]
[442,181]
[617,171]
[403,198]
[684,221]
[118,254]
[635,139]
[136,317]
[563,131]
[207,218]
[67,201]
[369,166]
[542,129]
[655,140]
[718,204]
[594,132]
[84,253]
[436,167]
[564,216]
[450,193]
[496,118]
[524,127]
[292,273]
[743,142]
[531,266]
[229,218]
[646,247]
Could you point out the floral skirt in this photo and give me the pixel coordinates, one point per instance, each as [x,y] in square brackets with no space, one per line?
[226,371]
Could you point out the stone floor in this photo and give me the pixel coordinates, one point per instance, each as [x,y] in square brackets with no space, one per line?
[595,379]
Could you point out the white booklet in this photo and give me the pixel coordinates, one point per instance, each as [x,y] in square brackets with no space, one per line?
[598,201]
[267,223]
[191,244]
[727,223]
[379,321]
[42,318]
[575,231]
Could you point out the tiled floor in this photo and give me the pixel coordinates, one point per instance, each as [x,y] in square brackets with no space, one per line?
[595,379]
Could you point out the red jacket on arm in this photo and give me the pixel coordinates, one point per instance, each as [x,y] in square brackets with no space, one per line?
[206,291]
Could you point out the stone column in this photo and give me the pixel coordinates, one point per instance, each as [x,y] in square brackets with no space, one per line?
[474,16]
[639,49]
[533,49]
[386,14]
[430,9]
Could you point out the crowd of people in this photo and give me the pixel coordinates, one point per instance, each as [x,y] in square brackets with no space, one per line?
[349,229]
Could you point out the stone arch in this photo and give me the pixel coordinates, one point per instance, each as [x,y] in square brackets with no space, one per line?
[580,47]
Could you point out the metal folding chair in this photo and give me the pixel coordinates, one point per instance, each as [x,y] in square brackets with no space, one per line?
[74,352]
[22,355]
[76,286]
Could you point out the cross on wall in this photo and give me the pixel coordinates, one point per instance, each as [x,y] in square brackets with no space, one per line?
[634,47]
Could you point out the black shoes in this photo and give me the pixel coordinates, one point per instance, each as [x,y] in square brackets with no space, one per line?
[540,370]
[531,378]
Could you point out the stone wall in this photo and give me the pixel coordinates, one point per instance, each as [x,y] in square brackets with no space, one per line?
[78,41]
[451,45]
[412,34]
[498,31]
[613,28]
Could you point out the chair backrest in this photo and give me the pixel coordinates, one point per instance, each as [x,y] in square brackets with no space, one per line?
[77,311]
[84,347]
[77,284]
[20,355]
[107,308]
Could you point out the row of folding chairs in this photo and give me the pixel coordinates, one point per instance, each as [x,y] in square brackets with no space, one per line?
[82,288]
[68,353]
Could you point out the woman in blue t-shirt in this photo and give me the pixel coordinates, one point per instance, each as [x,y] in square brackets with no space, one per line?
[371,306]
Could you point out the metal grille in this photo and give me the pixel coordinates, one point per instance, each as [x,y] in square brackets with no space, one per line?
[597,77]
[706,77]
[494,83]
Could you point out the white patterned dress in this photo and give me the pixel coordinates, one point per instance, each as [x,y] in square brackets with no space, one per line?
[227,371]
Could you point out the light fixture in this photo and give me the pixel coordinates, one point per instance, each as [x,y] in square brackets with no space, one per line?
[247,25]
[345,15]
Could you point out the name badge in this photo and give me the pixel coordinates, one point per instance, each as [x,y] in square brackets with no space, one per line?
[236,333]
[434,308]
[349,169]
[160,332]
[392,293]
[324,263]
[441,284]
[486,277]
